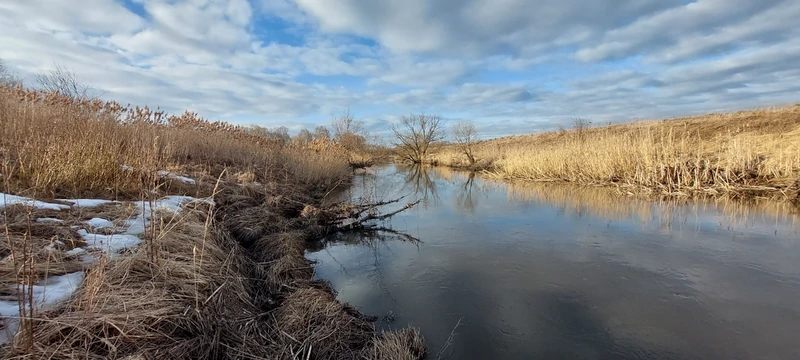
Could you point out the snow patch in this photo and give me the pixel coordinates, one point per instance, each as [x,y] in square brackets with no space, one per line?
[174,204]
[98,223]
[49,220]
[46,295]
[88,202]
[75,252]
[8,199]
[112,244]
[175,176]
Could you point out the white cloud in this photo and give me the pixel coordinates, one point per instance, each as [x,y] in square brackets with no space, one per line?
[511,65]
[475,27]
[96,16]
[666,27]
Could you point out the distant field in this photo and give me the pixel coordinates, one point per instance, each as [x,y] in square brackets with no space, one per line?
[754,153]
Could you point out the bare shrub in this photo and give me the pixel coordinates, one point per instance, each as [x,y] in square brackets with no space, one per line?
[7,77]
[64,81]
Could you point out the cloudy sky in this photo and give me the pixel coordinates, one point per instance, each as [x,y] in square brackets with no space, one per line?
[513,66]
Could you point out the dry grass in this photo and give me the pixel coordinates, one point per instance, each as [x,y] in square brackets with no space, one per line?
[215,282]
[750,153]
[169,306]
[52,146]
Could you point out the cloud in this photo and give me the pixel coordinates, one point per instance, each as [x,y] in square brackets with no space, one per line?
[664,29]
[511,65]
[477,27]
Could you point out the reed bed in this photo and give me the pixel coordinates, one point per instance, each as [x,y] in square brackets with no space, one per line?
[748,153]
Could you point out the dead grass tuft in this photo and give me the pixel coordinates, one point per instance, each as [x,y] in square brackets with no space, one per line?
[405,344]
[312,319]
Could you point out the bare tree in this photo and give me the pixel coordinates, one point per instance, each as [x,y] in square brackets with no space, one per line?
[349,132]
[64,81]
[465,136]
[416,134]
[7,77]
[303,137]
[321,132]
[280,133]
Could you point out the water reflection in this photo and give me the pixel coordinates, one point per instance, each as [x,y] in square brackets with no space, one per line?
[546,271]
[419,182]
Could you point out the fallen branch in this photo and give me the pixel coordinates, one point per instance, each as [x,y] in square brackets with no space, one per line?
[360,223]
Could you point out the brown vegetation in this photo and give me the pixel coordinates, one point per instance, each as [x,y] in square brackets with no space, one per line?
[228,280]
[747,153]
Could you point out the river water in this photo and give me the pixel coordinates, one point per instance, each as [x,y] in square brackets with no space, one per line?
[536,271]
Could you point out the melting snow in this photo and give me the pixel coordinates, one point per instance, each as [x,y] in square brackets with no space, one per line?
[168,174]
[170,203]
[88,202]
[46,220]
[46,294]
[8,199]
[112,244]
[98,223]
[75,252]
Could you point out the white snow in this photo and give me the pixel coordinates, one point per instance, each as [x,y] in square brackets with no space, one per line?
[112,244]
[138,225]
[98,223]
[75,252]
[88,202]
[46,220]
[8,199]
[46,295]
[168,174]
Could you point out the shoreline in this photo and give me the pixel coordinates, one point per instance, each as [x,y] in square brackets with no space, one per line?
[228,280]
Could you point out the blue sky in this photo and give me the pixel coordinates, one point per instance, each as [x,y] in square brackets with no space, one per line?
[512,66]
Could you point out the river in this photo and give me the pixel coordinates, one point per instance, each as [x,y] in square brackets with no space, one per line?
[489,270]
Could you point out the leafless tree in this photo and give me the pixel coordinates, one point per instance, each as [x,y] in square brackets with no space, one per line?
[64,81]
[303,137]
[280,133]
[465,136]
[349,132]
[416,134]
[321,132]
[7,77]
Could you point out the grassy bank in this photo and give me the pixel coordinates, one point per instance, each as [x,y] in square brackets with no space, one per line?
[748,153]
[222,275]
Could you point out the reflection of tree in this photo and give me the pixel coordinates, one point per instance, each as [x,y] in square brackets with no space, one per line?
[467,198]
[418,179]
[375,240]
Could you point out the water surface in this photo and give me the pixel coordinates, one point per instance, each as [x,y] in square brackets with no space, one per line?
[560,272]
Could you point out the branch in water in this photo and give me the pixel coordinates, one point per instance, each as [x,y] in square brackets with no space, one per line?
[360,223]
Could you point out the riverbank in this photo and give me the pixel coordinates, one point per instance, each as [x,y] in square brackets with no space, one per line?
[153,236]
[752,153]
